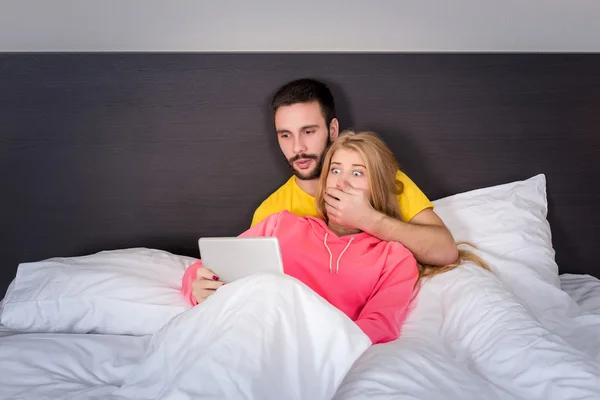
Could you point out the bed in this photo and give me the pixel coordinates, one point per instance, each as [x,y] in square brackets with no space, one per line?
[114,165]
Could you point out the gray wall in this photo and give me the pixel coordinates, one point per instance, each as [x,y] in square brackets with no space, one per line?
[308,25]
[103,151]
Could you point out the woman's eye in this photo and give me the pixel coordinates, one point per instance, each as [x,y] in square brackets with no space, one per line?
[357,173]
[335,170]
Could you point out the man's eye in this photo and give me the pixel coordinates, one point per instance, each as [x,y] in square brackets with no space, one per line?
[309,132]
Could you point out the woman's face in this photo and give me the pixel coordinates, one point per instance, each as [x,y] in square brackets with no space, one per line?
[348,169]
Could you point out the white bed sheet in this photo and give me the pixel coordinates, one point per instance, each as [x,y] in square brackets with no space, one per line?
[66,366]
[4,331]
[424,363]
[584,289]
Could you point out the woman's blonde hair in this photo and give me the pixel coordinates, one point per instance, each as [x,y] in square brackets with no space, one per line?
[382,167]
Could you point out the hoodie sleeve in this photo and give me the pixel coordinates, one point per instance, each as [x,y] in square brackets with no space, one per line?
[385,311]
[266,227]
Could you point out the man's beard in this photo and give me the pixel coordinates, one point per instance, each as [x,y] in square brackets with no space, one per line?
[303,156]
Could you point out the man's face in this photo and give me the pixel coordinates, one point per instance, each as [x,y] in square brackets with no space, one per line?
[303,137]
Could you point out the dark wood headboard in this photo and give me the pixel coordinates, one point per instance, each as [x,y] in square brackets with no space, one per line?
[104,151]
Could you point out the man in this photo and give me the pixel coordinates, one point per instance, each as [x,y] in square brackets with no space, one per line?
[305,122]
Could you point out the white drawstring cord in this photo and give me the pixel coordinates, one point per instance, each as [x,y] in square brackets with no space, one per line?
[337,268]
[337,265]
[330,255]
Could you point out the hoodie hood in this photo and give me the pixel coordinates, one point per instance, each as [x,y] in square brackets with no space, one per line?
[328,237]
[320,228]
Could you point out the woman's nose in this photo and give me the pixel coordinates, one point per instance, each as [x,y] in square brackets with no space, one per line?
[342,183]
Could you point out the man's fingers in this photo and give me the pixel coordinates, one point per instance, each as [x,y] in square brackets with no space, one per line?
[334,192]
[331,201]
[346,190]
[353,191]
[205,273]
[331,212]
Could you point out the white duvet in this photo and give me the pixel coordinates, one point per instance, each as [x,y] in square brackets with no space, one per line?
[264,337]
[471,335]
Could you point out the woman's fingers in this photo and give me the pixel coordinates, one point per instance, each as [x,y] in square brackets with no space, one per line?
[202,295]
[202,288]
[205,273]
[205,284]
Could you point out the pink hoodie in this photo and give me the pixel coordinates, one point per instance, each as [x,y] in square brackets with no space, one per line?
[368,279]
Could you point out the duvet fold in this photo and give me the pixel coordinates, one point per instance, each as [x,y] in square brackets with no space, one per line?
[476,335]
[263,337]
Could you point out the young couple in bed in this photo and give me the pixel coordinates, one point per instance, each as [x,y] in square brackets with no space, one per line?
[351,225]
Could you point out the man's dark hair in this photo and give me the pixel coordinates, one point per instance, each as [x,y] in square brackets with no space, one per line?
[305,91]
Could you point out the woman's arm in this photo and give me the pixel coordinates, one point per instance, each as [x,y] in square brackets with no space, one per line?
[197,272]
[205,279]
[385,311]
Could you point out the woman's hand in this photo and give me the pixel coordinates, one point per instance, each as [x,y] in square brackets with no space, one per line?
[206,283]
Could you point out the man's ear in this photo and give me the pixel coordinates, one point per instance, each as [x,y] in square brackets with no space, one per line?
[334,129]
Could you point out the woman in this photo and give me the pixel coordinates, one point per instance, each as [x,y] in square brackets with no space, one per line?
[292,336]
[370,280]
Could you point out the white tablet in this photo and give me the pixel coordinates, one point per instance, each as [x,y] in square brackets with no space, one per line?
[232,258]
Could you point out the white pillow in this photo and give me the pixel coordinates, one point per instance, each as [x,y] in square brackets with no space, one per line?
[132,291]
[508,225]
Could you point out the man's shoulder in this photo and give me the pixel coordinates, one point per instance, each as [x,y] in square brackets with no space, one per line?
[282,215]
[412,199]
[406,181]
[275,203]
[409,186]
[280,195]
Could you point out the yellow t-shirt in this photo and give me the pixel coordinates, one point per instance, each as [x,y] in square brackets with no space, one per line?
[293,199]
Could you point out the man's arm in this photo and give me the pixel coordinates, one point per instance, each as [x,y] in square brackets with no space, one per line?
[426,235]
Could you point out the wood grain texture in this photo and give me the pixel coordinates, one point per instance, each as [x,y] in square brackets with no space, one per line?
[104,151]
